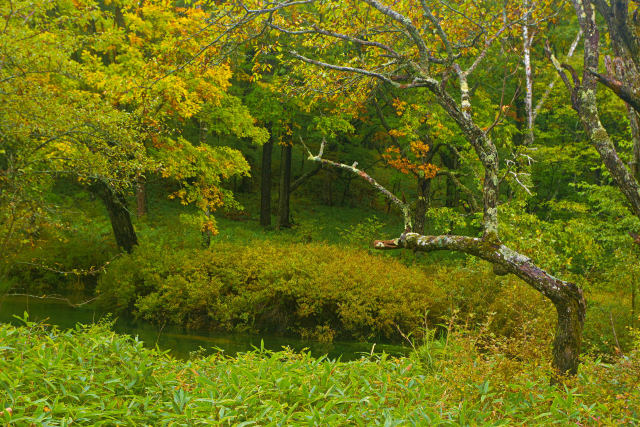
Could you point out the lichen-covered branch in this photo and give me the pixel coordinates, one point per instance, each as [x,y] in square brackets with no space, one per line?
[344,69]
[585,103]
[566,297]
[404,208]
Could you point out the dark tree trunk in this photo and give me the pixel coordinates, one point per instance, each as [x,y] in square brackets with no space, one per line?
[141,197]
[206,234]
[345,192]
[451,163]
[119,215]
[635,133]
[265,184]
[285,191]
[422,205]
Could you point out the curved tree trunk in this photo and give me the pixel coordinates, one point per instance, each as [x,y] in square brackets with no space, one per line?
[119,215]
[583,94]
[566,297]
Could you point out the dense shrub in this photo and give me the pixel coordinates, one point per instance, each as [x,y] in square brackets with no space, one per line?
[66,266]
[314,290]
[323,292]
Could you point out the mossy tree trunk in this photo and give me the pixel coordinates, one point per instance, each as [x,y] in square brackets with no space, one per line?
[566,297]
[583,91]
[119,215]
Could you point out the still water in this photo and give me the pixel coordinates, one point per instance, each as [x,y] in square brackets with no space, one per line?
[178,341]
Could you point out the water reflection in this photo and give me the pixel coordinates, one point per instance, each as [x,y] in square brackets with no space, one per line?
[178,341]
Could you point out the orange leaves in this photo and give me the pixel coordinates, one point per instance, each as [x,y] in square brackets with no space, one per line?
[397,160]
[400,106]
[419,148]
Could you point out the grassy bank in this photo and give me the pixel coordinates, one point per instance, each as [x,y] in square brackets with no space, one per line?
[91,376]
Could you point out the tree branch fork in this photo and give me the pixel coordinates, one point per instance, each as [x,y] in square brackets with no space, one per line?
[567,298]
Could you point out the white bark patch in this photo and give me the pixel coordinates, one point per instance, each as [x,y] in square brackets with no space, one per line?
[512,256]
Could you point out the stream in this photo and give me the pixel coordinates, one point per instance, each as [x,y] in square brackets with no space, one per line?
[178,341]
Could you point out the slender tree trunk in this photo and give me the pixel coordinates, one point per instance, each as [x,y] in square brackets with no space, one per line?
[265,184]
[119,216]
[450,161]
[285,191]
[526,44]
[141,196]
[635,134]
[633,302]
[206,234]
[422,205]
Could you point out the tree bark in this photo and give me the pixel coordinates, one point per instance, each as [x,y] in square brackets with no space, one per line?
[527,40]
[422,205]
[119,215]
[285,190]
[141,196]
[566,297]
[585,103]
[635,131]
[265,184]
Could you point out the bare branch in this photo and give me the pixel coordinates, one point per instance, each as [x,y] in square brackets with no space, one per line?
[484,52]
[547,92]
[406,23]
[434,21]
[277,7]
[561,72]
[625,92]
[362,174]
[55,297]
[345,69]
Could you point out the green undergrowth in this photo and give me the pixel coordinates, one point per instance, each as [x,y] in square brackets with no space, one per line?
[324,292]
[92,376]
[311,290]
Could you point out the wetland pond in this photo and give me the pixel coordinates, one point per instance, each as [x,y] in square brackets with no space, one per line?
[178,341]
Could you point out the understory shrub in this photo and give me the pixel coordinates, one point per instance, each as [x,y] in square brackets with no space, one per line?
[312,290]
[66,266]
[327,292]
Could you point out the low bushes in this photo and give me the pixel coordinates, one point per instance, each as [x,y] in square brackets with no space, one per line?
[312,290]
[323,292]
